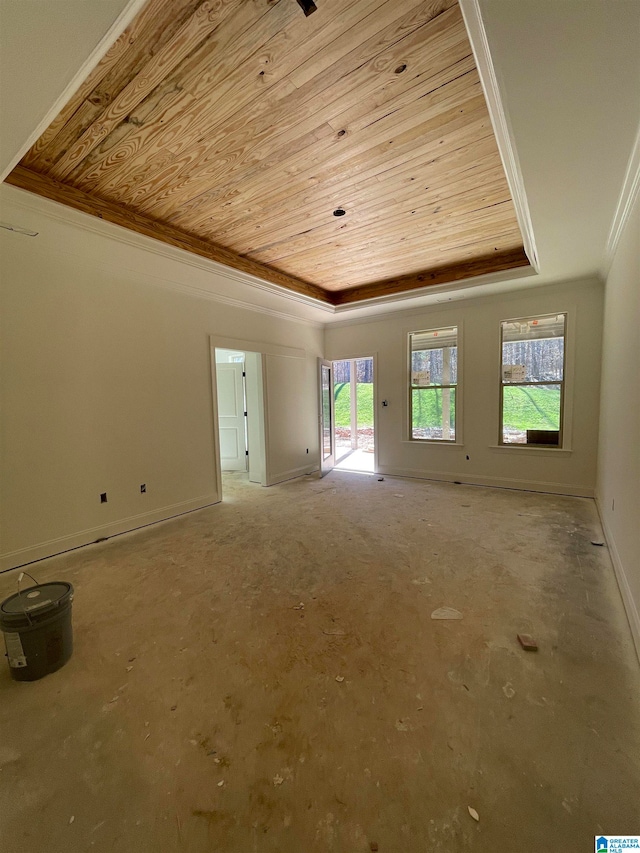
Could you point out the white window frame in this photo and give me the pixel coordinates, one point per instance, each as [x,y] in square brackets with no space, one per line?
[561,382]
[441,442]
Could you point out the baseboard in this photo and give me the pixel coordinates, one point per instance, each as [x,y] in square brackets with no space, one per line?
[493,482]
[32,553]
[291,474]
[630,607]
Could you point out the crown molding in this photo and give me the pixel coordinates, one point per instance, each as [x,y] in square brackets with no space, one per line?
[628,195]
[501,126]
[42,206]
[468,293]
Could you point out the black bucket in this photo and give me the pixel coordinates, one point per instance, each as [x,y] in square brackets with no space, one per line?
[36,623]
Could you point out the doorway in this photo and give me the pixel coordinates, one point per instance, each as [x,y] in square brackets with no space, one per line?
[240,411]
[353,415]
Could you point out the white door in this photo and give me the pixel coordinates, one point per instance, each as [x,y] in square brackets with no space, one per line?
[327,439]
[231,417]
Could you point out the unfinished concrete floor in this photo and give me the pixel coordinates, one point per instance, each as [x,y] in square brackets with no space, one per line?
[206,709]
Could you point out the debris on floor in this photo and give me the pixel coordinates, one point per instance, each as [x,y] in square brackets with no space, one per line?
[599,542]
[527,642]
[278,780]
[474,814]
[508,690]
[340,678]
[298,606]
[381,479]
[373,847]
[446,613]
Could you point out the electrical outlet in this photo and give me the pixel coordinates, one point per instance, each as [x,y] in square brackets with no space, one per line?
[103,497]
[143,488]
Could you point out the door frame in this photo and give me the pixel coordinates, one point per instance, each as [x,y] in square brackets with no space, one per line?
[256,407]
[374,357]
[261,350]
[326,463]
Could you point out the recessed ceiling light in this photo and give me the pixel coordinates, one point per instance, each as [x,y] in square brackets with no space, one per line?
[307,6]
[339,211]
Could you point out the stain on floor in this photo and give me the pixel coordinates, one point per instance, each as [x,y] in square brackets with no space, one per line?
[264,675]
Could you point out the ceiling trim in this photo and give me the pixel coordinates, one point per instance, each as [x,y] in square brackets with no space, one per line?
[38,204]
[56,191]
[501,126]
[462,289]
[628,196]
[115,30]
[451,273]
[444,305]
[441,292]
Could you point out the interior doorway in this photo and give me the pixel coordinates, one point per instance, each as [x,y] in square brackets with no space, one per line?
[240,411]
[354,414]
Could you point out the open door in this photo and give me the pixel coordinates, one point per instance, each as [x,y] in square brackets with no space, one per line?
[327,440]
[231,417]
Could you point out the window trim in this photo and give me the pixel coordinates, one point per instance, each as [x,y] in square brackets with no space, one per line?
[457,424]
[561,382]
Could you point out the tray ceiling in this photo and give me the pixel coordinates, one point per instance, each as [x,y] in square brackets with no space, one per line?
[237,129]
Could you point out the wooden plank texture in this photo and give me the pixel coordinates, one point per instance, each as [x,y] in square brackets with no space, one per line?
[60,192]
[237,127]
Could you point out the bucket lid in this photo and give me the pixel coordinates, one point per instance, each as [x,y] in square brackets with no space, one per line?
[35,602]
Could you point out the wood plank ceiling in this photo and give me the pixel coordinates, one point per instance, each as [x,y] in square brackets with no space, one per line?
[235,128]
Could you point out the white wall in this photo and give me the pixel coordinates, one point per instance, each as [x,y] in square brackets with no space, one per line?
[618,489]
[290,453]
[568,471]
[106,384]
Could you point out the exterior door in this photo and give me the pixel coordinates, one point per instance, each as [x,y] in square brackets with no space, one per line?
[327,438]
[231,417]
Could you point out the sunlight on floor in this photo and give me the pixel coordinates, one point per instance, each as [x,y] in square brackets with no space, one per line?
[356,460]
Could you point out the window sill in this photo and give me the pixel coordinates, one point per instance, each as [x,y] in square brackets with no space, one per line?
[432,442]
[530,448]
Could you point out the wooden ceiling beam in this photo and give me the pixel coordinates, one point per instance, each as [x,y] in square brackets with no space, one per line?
[349,275]
[56,191]
[455,272]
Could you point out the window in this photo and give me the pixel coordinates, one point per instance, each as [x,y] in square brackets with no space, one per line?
[434,378]
[532,381]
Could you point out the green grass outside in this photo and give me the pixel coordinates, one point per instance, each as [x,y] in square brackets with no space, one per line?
[525,408]
[343,404]
[531,408]
[427,408]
